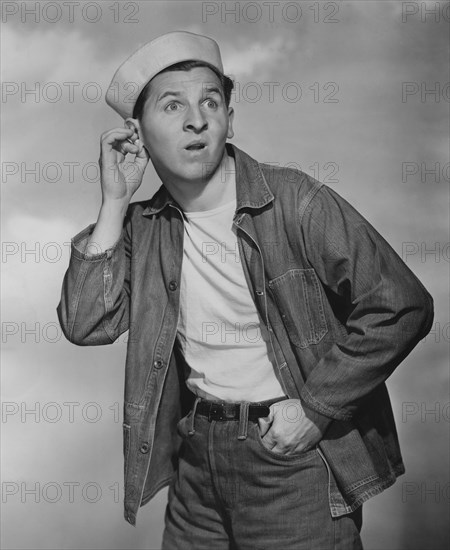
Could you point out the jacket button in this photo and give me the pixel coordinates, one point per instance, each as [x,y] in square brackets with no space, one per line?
[173,285]
[144,448]
[158,364]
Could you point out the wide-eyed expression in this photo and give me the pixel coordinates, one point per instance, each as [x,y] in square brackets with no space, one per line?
[185,124]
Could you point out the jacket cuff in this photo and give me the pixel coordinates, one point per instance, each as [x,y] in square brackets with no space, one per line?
[79,243]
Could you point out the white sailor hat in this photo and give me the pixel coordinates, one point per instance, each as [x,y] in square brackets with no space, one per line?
[162,52]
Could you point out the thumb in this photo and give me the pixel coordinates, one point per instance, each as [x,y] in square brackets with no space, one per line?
[142,154]
[265,423]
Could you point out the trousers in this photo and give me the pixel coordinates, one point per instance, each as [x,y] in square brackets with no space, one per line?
[231,492]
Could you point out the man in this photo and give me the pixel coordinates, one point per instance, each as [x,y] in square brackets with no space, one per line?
[264,314]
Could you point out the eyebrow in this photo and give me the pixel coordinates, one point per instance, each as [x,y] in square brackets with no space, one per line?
[167,93]
[211,88]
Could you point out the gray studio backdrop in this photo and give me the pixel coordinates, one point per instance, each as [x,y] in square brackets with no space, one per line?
[355,93]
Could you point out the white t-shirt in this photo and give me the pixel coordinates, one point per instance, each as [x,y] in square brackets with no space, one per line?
[220,334]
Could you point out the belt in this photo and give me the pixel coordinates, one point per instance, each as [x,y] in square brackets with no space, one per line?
[229,411]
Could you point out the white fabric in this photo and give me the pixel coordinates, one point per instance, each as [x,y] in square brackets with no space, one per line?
[219,331]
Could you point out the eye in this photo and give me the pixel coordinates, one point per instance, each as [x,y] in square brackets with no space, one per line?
[173,106]
[211,103]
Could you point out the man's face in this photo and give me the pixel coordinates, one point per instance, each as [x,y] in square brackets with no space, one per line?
[185,124]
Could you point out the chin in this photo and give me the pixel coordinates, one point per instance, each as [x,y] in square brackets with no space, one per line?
[201,170]
[197,175]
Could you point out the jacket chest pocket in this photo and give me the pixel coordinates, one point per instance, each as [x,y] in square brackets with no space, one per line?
[298,296]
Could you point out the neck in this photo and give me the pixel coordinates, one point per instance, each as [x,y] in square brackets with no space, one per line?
[199,196]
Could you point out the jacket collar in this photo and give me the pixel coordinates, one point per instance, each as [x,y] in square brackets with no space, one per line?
[252,190]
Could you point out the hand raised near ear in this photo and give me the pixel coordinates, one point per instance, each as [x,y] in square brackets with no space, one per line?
[120,176]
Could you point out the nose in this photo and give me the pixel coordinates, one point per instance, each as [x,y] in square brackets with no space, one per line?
[195,120]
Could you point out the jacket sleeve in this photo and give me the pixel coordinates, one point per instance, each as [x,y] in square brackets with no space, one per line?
[389,309]
[94,306]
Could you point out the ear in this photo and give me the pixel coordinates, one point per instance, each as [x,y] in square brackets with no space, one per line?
[230,132]
[135,125]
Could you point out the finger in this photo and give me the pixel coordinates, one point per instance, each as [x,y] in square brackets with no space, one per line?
[271,416]
[142,151]
[130,125]
[122,148]
[269,442]
[264,425]
[123,133]
[113,138]
[277,449]
[134,136]
[127,147]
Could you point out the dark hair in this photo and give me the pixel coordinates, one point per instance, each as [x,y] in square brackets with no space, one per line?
[225,81]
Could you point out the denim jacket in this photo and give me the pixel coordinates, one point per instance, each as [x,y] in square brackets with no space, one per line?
[341,308]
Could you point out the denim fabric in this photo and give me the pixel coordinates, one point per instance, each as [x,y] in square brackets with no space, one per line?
[342,310]
[230,493]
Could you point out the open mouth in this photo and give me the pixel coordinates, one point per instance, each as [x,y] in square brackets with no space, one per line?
[195,147]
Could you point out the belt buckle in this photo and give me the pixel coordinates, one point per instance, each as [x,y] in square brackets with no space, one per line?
[221,411]
[229,411]
[214,412]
